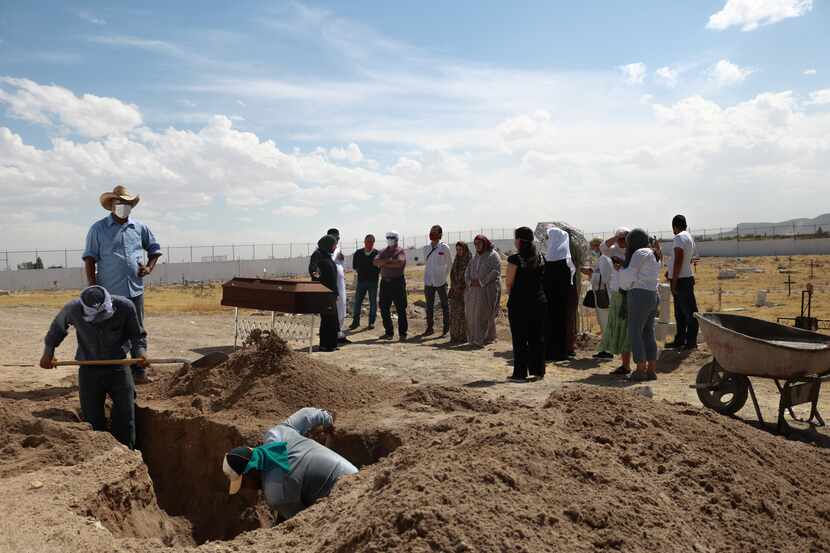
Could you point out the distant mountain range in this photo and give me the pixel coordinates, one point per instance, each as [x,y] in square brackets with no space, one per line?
[801,226]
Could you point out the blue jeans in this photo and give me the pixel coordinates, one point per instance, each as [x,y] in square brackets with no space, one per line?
[364,288]
[94,385]
[136,349]
[642,310]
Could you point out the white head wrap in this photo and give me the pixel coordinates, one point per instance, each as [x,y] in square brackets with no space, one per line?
[94,312]
[559,248]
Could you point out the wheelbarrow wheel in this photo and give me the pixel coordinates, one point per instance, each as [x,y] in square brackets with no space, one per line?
[721,391]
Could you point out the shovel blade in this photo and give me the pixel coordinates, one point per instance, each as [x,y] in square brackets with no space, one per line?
[210,360]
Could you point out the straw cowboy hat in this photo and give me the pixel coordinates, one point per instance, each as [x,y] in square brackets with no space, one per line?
[118,193]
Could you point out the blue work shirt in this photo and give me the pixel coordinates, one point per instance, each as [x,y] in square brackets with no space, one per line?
[117,251]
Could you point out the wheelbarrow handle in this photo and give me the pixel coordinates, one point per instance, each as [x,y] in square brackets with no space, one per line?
[103,362]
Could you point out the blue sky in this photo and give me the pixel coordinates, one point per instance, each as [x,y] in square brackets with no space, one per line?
[271,121]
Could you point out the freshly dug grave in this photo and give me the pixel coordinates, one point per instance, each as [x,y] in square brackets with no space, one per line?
[267,379]
[593,469]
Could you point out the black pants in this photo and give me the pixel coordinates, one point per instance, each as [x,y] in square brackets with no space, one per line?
[329,328]
[94,385]
[685,307]
[393,291]
[429,292]
[137,348]
[527,327]
[558,288]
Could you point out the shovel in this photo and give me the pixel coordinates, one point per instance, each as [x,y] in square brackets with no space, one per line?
[206,362]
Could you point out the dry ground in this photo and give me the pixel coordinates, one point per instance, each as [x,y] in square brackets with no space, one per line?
[81,504]
[182,320]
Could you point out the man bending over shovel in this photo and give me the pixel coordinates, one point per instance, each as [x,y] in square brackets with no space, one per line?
[292,470]
[105,326]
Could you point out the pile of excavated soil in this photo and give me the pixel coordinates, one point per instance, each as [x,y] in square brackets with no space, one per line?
[267,378]
[591,470]
[29,442]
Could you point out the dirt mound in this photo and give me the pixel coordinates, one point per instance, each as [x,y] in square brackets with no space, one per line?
[268,379]
[32,441]
[594,469]
[429,397]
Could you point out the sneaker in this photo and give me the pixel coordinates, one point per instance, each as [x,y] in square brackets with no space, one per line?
[638,376]
[620,371]
[354,325]
[674,344]
[571,354]
[603,355]
[371,326]
[651,376]
[386,337]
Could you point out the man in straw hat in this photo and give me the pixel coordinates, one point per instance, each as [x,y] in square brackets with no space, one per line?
[292,471]
[114,258]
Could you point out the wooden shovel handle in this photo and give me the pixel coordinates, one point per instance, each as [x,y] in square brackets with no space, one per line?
[104,362]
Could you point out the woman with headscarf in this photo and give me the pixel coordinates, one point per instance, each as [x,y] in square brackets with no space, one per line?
[559,289]
[458,322]
[481,299]
[526,307]
[328,276]
[639,276]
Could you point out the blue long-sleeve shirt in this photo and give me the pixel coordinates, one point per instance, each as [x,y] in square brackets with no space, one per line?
[108,339]
[117,251]
[314,467]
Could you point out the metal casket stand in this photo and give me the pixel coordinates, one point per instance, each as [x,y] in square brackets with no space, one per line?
[294,297]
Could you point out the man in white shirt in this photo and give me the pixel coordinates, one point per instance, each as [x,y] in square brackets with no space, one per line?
[438,262]
[683,286]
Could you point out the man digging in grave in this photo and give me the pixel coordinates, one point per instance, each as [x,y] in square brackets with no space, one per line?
[105,328]
[292,470]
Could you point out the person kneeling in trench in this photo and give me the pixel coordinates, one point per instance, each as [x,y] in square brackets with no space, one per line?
[292,470]
[105,326]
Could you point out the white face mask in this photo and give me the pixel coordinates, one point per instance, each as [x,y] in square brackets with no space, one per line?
[122,211]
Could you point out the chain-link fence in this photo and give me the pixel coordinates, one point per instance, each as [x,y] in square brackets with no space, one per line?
[70,258]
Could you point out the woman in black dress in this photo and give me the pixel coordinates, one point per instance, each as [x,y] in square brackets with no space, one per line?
[526,307]
[327,275]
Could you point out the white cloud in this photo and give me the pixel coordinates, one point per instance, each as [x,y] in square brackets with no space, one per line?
[406,167]
[819,97]
[810,71]
[295,211]
[90,18]
[726,73]
[351,153]
[634,73]
[751,14]
[667,76]
[159,46]
[88,115]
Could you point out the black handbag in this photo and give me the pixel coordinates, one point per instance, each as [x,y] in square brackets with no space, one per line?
[598,299]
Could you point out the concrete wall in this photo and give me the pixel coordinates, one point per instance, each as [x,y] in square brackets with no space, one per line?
[167,273]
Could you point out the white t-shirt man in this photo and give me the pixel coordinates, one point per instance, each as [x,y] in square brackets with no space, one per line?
[685,242]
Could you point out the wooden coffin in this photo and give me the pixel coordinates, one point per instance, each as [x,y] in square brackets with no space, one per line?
[284,296]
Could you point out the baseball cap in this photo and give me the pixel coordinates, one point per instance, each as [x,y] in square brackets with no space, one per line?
[234,466]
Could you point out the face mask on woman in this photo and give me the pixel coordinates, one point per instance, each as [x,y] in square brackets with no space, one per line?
[122,211]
